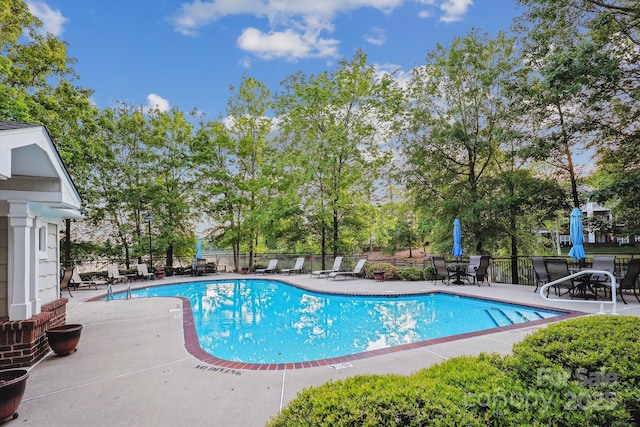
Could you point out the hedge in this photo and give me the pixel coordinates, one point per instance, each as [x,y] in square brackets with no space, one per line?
[579,372]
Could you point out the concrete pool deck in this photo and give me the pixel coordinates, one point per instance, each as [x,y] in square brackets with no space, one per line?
[132,368]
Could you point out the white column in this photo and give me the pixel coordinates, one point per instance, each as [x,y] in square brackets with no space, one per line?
[34,291]
[20,263]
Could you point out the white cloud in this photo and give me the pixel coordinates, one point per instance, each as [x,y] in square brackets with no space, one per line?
[376,36]
[296,27]
[156,102]
[287,44]
[454,9]
[52,20]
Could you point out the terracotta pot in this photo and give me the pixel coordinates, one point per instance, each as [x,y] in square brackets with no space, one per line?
[12,385]
[378,276]
[64,339]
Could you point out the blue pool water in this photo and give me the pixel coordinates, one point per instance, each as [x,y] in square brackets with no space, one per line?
[265,321]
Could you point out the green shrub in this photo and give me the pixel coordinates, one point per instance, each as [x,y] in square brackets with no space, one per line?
[389,270]
[410,273]
[536,386]
[394,400]
[428,273]
[586,352]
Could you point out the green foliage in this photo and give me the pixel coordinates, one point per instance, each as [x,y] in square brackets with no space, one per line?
[428,273]
[556,376]
[390,271]
[587,345]
[410,273]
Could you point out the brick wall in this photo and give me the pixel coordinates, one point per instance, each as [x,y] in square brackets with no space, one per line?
[23,342]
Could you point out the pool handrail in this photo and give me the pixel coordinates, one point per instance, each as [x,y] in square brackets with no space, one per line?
[613,302]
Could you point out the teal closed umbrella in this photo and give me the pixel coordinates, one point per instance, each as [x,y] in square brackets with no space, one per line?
[457,239]
[199,249]
[575,229]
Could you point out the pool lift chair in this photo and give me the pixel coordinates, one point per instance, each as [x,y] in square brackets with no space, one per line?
[336,267]
[356,271]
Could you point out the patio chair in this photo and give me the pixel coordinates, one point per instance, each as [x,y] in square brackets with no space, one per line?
[271,267]
[479,271]
[296,269]
[77,281]
[356,271]
[66,280]
[542,276]
[144,272]
[602,263]
[201,267]
[557,268]
[440,269]
[630,279]
[113,274]
[336,267]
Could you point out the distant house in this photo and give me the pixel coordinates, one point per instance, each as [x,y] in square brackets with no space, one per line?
[36,195]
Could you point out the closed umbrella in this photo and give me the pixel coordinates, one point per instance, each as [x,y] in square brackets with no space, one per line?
[575,229]
[199,249]
[457,239]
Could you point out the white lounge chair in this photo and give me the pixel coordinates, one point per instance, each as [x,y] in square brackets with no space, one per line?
[296,269]
[77,281]
[144,272]
[113,273]
[336,267]
[356,271]
[271,268]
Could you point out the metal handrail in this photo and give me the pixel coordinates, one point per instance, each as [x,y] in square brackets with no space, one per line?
[614,300]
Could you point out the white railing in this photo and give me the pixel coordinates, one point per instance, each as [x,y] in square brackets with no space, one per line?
[612,283]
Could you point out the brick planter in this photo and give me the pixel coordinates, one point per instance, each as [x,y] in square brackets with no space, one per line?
[23,342]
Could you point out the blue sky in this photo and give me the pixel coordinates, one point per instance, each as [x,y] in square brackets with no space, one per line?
[169,53]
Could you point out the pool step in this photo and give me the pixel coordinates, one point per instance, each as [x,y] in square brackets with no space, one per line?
[506,317]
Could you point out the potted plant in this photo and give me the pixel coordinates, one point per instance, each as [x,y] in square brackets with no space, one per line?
[64,339]
[12,385]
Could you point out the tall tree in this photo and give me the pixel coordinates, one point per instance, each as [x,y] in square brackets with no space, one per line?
[456,113]
[585,88]
[333,124]
[233,158]
[172,184]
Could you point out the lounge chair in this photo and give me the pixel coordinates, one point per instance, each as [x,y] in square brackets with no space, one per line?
[271,267]
[113,274]
[66,280]
[540,270]
[296,269]
[77,281]
[144,272]
[440,269]
[356,271]
[336,267]
[479,272]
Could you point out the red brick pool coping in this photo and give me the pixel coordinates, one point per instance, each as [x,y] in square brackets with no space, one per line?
[192,344]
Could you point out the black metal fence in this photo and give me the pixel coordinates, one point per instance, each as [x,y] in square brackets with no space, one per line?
[499,269]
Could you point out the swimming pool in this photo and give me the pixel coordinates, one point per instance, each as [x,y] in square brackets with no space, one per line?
[270,322]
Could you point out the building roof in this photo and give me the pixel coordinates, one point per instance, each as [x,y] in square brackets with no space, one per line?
[27,152]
